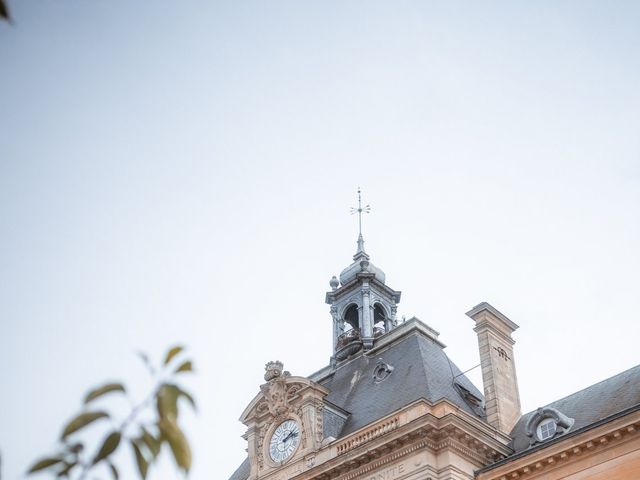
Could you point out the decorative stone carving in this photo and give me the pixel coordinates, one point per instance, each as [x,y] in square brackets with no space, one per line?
[275,391]
[273,370]
[260,443]
[381,371]
[502,353]
[319,421]
[562,423]
[310,461]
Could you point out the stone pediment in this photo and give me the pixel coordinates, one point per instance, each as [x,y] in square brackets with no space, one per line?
[277,396]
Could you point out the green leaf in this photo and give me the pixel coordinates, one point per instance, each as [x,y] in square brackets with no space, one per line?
[44,463]
[114,471]
[4,11]
[185,367]
[178,443]
[189,398]
[143,465]
[81,421]
[167,401]
[172,353]
[108,388]
[152,443]
[108,447]
[68,466]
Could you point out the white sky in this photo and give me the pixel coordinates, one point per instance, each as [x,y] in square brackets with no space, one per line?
[182,172]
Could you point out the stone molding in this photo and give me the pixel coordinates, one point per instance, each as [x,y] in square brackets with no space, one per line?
[541,461]
[366,436]
[437,428]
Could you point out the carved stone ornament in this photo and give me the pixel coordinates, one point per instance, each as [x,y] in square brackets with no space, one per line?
[273,370]
[381,371]
[319,421]
[259,449]
[562,423]
[275,391]
[310,461]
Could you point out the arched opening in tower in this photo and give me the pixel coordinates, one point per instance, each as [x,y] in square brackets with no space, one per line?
[379,320]
[351,318]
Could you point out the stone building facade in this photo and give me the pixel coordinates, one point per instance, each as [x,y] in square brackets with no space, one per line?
[392,406]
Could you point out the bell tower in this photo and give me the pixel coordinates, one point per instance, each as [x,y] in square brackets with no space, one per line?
[363,307]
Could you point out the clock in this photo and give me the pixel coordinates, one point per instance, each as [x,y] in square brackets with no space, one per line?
[284,440]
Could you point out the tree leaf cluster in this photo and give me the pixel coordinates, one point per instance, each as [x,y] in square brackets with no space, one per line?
[149,425]
[4,11]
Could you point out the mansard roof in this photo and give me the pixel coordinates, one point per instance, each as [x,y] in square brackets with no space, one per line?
[243,471]
[420,370]
[589,407]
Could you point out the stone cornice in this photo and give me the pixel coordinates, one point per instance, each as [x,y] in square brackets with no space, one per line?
[412,326]
[544,459]
[355,284]
[437,427]
[476,313]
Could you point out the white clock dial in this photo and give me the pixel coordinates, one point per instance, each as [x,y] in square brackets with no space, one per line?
[284,441]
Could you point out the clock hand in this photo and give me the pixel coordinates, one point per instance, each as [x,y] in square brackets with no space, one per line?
[291,434]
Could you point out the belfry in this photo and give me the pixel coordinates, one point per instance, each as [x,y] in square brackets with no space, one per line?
[363,307]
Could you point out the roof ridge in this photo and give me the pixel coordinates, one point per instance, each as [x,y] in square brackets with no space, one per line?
[593,385]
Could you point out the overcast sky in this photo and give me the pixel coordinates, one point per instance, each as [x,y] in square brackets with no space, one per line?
[183,172]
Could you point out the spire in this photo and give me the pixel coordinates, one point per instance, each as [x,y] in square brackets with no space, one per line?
[360,253]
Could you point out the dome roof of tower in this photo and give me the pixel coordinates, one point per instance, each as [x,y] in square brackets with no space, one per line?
[361,265]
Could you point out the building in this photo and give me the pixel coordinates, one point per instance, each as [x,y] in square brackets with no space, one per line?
[392,406]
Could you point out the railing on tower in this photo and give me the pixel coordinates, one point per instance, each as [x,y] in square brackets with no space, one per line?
[348,337]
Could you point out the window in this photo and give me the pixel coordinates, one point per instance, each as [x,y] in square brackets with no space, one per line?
[381,371]
[547,423]
[546,429]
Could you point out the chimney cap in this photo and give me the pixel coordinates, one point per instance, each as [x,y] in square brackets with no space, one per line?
[475,312]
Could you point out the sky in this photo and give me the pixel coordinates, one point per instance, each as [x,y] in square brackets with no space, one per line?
[183,174]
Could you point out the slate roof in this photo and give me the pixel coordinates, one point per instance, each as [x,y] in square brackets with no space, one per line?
[589,406]
[421,369]
[243,471]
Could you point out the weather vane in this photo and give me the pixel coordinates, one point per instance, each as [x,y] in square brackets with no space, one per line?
[359,211]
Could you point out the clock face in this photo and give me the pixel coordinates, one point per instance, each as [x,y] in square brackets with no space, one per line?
[284,441]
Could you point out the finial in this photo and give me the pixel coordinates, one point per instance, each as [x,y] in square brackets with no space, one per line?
[359,211]
[273,370]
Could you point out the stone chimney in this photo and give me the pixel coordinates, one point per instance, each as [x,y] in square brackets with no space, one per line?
[501,397]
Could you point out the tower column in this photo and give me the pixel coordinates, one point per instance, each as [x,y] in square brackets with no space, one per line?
[337,328]
[367,317]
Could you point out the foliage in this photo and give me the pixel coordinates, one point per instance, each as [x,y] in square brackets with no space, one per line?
[148,426]
[4,11]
